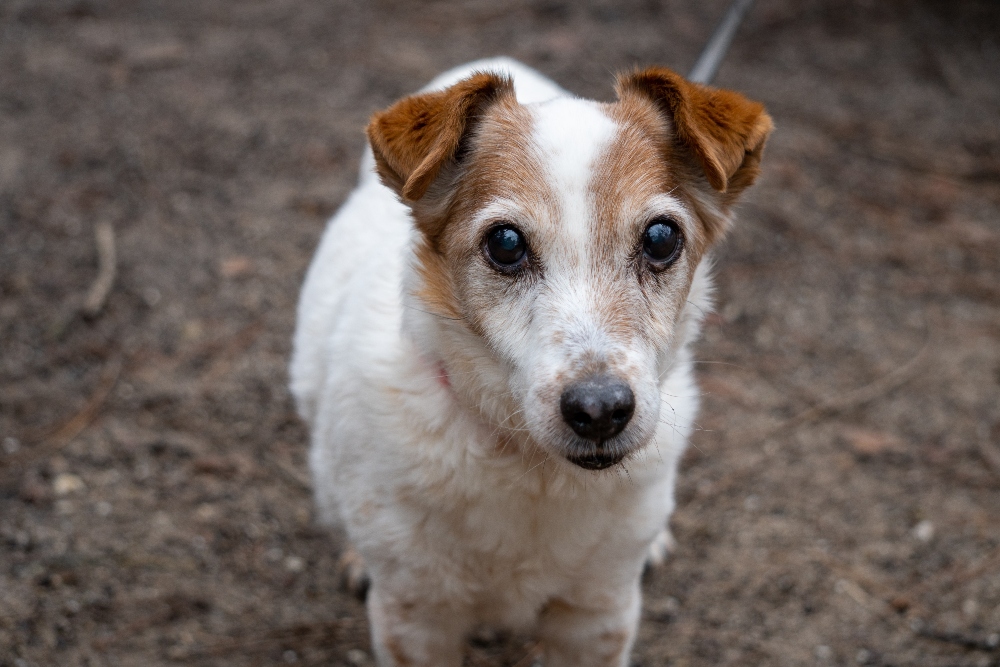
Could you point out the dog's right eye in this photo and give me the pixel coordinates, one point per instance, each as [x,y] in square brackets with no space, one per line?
[506,247]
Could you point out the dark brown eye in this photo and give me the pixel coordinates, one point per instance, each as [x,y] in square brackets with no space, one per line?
[506,247]
[661,243]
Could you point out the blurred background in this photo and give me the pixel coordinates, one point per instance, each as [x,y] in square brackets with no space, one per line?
[840,504]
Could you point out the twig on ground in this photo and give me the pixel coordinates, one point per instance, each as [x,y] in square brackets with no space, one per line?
[852,399]
[290,473]
[881,599]
[956,575]
[61,435]
[990,643]
[825,408]
[104,234]
[317,633]
[82,419]
[224,352]
[533,654]
[990,456]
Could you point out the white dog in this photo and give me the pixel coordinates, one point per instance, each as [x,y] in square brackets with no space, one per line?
[492,350]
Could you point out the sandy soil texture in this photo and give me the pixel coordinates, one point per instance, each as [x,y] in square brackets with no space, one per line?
[841,504]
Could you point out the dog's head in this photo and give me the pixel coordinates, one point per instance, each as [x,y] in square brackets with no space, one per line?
[557,243]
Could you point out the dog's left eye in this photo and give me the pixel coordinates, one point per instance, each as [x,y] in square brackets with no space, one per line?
[661,244]
[506,246]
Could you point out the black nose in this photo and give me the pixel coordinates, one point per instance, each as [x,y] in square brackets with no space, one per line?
[597,408]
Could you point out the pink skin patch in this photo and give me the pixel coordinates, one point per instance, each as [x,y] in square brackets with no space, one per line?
[442,376]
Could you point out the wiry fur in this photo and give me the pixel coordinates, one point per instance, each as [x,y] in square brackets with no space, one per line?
[431,381]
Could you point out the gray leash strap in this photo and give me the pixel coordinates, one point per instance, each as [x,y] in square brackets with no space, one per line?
[711,57]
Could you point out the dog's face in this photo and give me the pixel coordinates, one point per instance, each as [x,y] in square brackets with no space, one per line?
[558,243]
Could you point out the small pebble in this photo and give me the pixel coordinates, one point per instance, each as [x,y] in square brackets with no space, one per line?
[863,656]
[295,564]
[151,296]
[970,607]
[11,445]
[357,657]
[924,531]
[290,656]
[824,652]
[67,483]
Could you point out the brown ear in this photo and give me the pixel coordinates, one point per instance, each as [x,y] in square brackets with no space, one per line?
[725,131]
[414,137]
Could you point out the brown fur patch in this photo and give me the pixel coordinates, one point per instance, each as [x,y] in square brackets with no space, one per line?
[704,135]
[416,142]
[725,131]
[413,138]
[400,659]
[614,643]
[436,288]
[498,165]
[557,606]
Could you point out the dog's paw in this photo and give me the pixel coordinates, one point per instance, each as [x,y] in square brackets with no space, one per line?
[353,575]
[660,549]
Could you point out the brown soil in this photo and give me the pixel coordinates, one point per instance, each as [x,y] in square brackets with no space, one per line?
[841,505]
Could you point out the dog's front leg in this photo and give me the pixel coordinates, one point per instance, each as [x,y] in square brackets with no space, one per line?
[409,632]
[582,636]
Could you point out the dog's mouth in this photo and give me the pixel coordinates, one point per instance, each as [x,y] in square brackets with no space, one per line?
[597,461]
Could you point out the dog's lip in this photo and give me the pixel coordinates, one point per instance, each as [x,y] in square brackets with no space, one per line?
[597,460]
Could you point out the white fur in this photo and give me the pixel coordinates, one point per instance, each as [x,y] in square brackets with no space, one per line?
[571,134]
[449,527]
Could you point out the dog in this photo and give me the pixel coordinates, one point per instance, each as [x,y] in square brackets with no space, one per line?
[493,351]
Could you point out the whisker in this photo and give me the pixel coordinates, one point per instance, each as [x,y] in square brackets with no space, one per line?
[704,313]
[427,312]
[522,475]
[721,363]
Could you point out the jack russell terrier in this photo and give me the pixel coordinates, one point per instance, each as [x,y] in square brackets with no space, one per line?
[493,351]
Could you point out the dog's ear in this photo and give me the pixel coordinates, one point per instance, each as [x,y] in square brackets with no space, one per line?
[416,136]
[723,130]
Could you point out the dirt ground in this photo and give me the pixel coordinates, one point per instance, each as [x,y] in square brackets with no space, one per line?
[841,504]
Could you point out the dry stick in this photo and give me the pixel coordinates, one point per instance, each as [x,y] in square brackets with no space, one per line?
[870,587]
[855,398]
[841,403]
[229,349]
[529,658]
[58,437]
[227,645]
[82,419]
[990,456]
[859,586]
[290,473]
[957,578]
[104,234]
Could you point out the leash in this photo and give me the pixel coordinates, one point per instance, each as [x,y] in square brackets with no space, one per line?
[711,57]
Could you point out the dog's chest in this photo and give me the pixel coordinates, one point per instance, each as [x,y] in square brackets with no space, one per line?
[514,547]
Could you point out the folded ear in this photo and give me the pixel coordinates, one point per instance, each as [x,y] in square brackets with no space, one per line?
[725,131]
[416,136]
